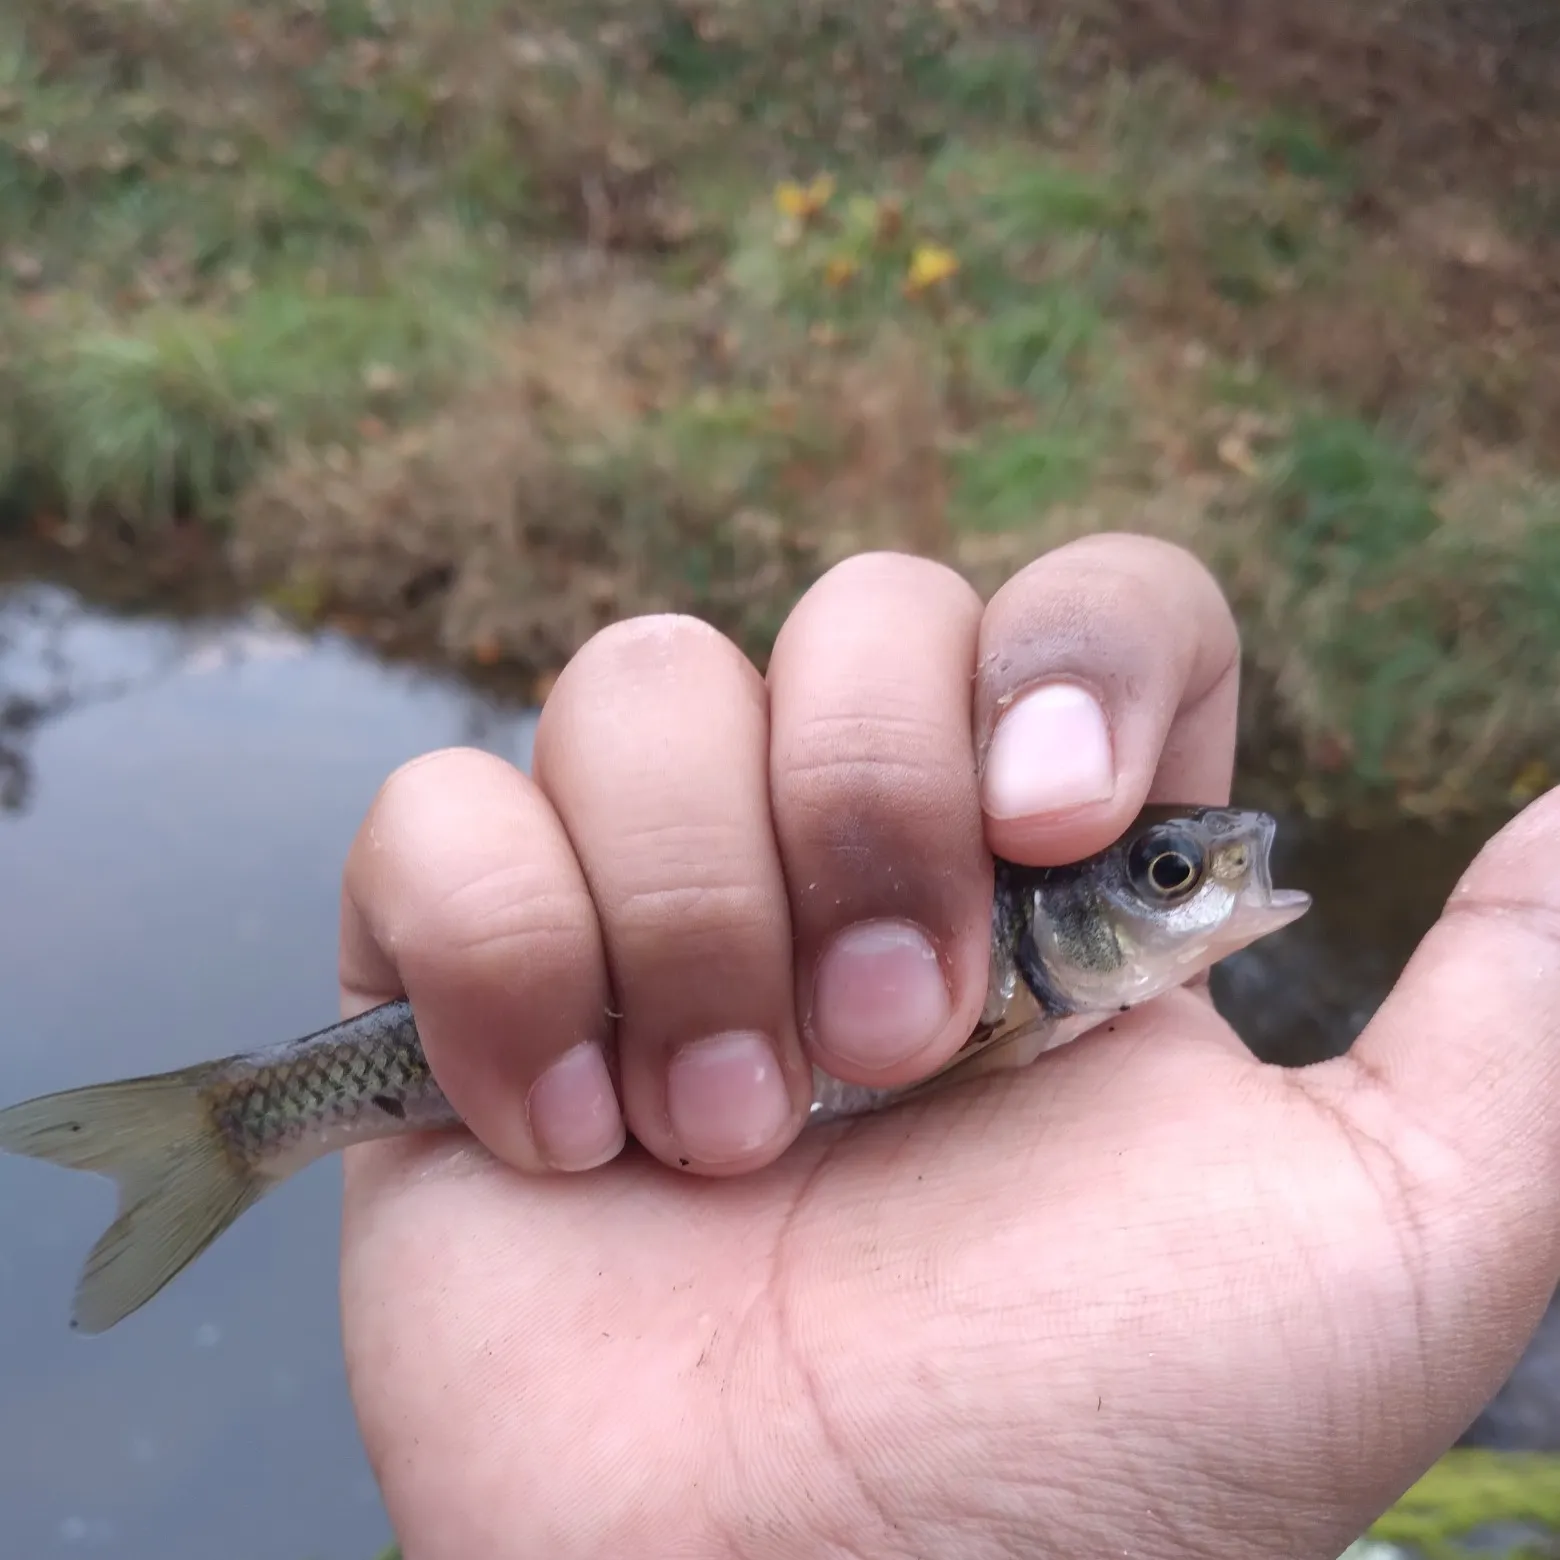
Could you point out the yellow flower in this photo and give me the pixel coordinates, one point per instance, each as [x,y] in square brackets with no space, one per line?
[800,202]
[840,269]
[929,265]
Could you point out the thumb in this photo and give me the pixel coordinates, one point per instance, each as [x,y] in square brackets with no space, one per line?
[1452,1099]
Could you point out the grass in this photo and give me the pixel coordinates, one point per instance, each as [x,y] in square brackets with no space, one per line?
[1503,1504]
[473,329]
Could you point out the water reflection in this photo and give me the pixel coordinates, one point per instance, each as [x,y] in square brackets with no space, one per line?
[169,894]
[41,678]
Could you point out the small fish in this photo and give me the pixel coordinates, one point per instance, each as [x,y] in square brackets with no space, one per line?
[1071,946]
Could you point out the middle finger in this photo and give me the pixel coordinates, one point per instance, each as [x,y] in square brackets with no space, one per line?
[653,749]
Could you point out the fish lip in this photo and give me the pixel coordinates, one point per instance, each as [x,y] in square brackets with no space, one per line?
[1262,862]
[1284,907]
[1281,905]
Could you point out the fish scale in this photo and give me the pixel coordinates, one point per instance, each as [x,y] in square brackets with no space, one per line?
[331,1088]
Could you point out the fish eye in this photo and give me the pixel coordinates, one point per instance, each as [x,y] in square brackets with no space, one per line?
[1165,864]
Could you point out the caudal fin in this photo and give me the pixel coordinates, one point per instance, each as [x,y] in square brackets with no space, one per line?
[179,1184]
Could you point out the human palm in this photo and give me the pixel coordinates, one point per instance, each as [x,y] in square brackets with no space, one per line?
[1147,1296]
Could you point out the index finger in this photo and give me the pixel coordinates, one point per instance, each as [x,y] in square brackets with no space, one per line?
[1109,676]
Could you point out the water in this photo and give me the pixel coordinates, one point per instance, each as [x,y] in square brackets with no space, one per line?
[169,892]
[181,800]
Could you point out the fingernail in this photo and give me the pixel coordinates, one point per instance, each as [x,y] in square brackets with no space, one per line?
[879,996]
[1051,752]
[727,1097]
[574,1112]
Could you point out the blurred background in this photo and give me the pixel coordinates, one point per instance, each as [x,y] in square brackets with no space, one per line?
[360,358]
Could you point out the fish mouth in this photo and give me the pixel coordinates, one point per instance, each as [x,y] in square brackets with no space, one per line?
[1285,905]
[1262,856]
[1277,906]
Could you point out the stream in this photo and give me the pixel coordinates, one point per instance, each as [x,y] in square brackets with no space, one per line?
[176,799]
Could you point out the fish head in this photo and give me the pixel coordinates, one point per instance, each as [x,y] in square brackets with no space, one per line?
[1183,888]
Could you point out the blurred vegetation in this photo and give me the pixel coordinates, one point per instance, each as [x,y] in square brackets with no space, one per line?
[474,328]
[1499,1505]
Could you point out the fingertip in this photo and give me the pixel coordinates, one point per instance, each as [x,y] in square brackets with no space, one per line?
[573,1111]
[1108,677]
[366,964]
[1049,783]
[730,1103]
[880,1003]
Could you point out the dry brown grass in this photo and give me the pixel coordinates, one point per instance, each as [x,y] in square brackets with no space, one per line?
[478,328]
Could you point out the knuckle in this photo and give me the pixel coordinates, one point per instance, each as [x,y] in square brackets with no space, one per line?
[516,917]
[843,794]
[853,765]
[691,876]
[701,916]
[1533,919]
[1101,601]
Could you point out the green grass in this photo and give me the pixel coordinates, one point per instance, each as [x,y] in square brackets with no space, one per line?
[178,406]
[1414,637]
[542,304]
[1009,476]
[1469,1491]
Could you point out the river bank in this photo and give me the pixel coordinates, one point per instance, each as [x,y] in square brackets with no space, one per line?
[469,333]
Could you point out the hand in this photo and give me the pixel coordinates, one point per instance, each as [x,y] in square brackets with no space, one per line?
[1147,1297]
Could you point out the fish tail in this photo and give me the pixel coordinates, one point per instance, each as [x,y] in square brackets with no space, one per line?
[180,1185]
